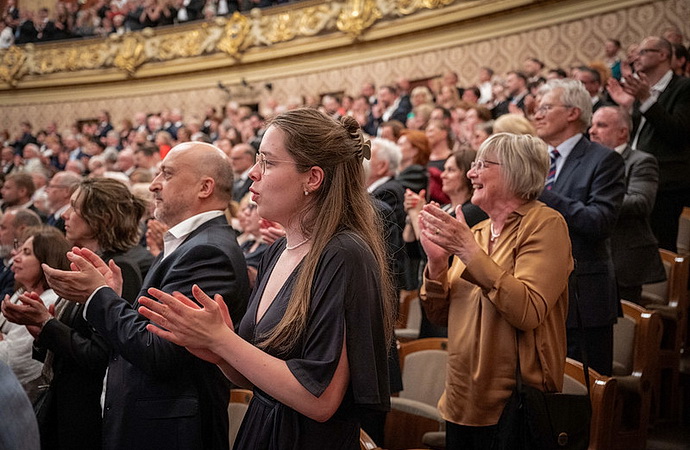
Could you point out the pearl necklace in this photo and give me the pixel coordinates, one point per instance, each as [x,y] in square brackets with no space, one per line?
[287,247]
[494,235]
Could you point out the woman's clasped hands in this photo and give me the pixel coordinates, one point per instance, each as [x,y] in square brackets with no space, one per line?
[442,236]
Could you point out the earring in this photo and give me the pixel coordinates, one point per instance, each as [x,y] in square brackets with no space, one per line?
[306,192]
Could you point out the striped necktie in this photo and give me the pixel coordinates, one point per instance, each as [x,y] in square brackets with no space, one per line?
[551,176]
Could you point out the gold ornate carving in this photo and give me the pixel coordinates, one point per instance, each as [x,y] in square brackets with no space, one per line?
[281,27]
[357,16]
[315,19]
[233,36]
[433,4]
[13,68]
[131,53]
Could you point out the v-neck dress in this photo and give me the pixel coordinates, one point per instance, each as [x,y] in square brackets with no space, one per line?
[346,301]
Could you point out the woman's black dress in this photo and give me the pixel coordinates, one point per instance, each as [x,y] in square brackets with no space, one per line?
[346,301]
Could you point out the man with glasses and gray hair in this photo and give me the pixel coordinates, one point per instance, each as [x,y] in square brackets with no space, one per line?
[585,184]
[58,191]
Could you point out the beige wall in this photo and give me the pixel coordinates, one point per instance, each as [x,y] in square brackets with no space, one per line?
[502,43]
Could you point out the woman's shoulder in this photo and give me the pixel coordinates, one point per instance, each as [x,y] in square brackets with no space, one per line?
[538,213]
[347,247]
[347,241]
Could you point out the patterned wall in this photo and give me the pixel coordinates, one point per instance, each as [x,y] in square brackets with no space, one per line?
[562,45]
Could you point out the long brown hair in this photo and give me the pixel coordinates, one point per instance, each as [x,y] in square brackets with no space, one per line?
[341,203]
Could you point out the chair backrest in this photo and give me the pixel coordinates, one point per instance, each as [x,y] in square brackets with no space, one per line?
[623,345]
[239,402]
[423,364]
[603,397]
[414,314]
[683,242]
[366,442]
[674,291]
[637,337]
[413,322]
[657,293]
[677,278]
[404,307]
[636,349]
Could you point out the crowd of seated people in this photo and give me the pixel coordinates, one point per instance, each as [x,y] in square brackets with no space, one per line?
[433,131]
[67,20]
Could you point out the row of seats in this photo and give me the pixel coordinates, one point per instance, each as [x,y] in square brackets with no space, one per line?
[651,345]
[620,404]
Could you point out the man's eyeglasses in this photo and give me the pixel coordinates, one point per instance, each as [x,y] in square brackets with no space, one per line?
[644,51]
[546,108]
[481,164]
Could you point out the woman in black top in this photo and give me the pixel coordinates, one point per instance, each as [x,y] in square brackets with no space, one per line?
[313,344]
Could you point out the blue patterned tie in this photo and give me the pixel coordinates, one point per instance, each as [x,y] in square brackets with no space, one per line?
[551,176]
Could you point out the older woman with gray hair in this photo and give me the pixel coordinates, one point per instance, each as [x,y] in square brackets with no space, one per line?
[508,278]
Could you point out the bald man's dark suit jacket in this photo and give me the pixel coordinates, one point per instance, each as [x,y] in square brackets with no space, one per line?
[635,249]
[158,395]
[588,193]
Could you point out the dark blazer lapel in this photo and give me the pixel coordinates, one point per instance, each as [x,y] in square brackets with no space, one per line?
[571,164]
[220,220]
[627,152]
[665,96]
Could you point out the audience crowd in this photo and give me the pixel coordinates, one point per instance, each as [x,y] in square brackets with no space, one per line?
[617,133]
[101,17]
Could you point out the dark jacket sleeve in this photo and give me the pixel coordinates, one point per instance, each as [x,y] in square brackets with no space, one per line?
[642,183]
[596,213]
[77,343]
[125,329]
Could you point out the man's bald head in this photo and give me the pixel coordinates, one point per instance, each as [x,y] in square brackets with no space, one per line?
[194,177]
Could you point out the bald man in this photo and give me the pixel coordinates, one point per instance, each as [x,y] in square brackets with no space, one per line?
[158,395]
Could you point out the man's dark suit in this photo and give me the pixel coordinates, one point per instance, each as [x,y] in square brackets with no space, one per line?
[392,193]
[73,417]
[158,395]
[240,188]
[666,135]
[588,192]
[633,245]
[6,280]
[401,112]
[504,107]
[80,357]
[58,223]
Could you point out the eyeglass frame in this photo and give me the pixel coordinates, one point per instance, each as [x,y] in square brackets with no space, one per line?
[644,51]
[479,165]
[261,161]
[546,108]
[56,186]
